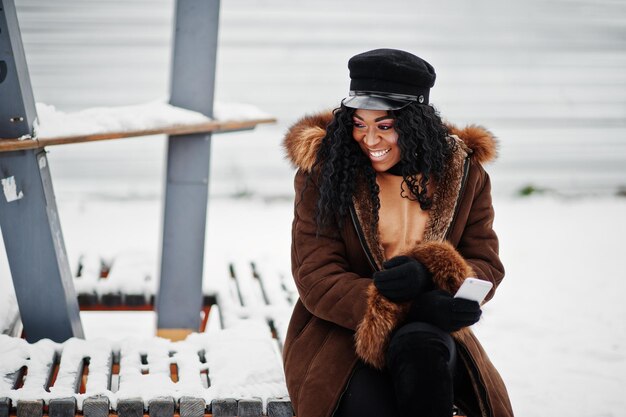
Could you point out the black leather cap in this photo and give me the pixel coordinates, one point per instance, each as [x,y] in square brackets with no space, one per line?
[388,79]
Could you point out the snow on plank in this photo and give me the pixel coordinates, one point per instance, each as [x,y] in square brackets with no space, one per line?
[86,277]
[105,123]
[69,378]
[243,362]
[144,371]
[133,275]
[12,367]
[248,287]
[38,359]
[269,279]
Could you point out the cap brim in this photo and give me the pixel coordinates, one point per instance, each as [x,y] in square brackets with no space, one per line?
[367,102]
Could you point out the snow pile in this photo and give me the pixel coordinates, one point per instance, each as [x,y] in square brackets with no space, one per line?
[53,123]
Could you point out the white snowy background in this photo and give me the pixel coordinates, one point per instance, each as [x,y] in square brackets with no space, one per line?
[547,77]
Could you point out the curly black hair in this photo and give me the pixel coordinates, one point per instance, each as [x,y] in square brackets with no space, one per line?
[340,164]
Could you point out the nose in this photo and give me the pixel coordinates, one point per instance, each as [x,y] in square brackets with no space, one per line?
[371,138]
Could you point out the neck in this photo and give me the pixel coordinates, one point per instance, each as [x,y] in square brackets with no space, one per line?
[396,169]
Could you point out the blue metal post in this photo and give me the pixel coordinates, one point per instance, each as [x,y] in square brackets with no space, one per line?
[28,214]
[179,300]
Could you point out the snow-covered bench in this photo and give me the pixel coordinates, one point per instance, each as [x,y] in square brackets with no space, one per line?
[233,368]
[227,372]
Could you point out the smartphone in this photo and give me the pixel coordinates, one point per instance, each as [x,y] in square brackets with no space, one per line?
[474,289]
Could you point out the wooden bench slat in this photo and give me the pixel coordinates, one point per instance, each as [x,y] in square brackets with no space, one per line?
[250,408]
[97,406]
[279,407]
[216,126]
[226,407]
[161,407]
[62,407]
[131,407]
[191,407]
[30,408]
[5,407]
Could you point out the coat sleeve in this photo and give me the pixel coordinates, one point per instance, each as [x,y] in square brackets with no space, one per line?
[478,243]
[323,277]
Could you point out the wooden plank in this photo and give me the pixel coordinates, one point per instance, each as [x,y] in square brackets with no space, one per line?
[279,407]
[97,406]
[7,145]
[99,377]
[30,408]
[268,277]
[87,299]
[259,280]
[70,371]
[133,300]
[131,407]
[226,407]
[191,407]
[62,407]
[119,307]
[161,407]
[250,408]
[234,285]
[5,407]
[248,287]
[112,299]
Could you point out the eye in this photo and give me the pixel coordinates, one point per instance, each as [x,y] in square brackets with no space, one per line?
[385,127]
[357,124]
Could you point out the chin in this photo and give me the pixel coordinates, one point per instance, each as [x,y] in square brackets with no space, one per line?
[381,167]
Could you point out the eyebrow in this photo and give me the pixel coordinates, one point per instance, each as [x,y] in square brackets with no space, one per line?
[376,120]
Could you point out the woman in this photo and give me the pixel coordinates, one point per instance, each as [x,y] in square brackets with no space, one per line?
[393,211]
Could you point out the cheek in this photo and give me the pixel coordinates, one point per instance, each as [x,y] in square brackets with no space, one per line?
[395,148]
[392,140]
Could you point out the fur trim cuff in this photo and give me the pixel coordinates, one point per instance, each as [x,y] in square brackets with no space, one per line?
[448,267]
[383,316]
[372,335]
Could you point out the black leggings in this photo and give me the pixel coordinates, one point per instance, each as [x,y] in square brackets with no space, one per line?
[370,392]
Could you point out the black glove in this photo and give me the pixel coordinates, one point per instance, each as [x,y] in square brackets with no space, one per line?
[439,308]
[402,279]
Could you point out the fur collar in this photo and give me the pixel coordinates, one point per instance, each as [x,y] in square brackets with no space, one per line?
[304,138]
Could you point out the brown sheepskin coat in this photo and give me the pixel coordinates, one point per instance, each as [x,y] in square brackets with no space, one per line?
[340,317]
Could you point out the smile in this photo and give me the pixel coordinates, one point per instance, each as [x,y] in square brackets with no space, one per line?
[378,154]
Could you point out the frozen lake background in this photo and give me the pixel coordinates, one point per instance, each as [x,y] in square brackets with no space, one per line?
[547,77]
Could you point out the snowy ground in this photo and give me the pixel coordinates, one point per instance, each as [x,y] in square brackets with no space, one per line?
[555,329]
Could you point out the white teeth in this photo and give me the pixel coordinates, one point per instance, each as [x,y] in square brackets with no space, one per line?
[378,154]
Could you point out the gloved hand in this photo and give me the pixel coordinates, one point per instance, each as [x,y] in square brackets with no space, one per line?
[440,308]
[402,279]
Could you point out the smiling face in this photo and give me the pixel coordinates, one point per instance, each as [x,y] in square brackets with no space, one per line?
[375,133]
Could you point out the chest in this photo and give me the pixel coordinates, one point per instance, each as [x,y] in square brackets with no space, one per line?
[402,222]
